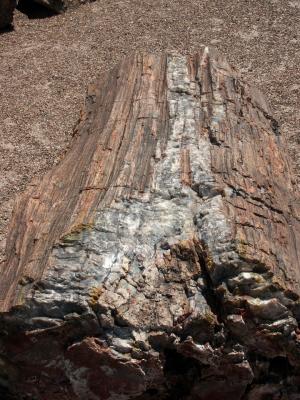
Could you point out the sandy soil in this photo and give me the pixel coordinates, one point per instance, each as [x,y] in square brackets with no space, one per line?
[46,64]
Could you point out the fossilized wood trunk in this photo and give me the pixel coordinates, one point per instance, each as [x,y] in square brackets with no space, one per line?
[6,13]
[159,259]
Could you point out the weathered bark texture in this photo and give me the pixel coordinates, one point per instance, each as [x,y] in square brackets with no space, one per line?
[159,259]
[6,13]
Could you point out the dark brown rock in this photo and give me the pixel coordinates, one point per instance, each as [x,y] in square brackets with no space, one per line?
[159,259]
[6,13]
[59,6]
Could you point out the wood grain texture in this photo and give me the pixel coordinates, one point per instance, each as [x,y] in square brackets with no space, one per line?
[109,159]
[166,240]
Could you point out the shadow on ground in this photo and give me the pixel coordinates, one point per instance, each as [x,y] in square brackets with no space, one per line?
[34,10]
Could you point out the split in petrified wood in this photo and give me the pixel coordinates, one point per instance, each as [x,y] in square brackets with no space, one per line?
[159,259]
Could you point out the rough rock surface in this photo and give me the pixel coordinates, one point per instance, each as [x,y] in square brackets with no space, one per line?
[46,65]
[60,6]
[159,259]
[6,13]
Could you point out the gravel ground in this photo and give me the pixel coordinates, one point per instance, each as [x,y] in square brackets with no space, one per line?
[46,64]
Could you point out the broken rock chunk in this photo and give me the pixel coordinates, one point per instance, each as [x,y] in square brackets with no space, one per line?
[6,13]
[60,6]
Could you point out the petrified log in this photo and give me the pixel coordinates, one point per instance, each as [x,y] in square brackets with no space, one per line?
[159,259]
[6,13]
